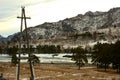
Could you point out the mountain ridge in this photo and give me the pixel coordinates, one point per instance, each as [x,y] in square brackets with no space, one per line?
[90,21]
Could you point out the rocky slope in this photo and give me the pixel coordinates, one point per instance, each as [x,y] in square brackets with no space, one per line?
[90,21]
[2,38]
[5,39]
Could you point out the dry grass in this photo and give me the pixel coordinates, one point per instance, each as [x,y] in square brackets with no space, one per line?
[57,72]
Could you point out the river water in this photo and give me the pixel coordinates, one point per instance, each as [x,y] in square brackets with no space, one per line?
[44,58]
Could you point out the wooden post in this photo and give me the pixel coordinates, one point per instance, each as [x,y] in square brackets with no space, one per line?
[23,17]
[17,73]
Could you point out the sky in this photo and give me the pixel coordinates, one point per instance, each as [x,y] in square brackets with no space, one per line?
[42,11]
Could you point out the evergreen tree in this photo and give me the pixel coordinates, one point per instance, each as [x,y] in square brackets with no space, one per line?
[79,56]
[12,52]
[0,50]
[116,56]
[34,59]
[101,55]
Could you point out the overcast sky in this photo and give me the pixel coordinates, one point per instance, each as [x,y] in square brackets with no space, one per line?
[42,11]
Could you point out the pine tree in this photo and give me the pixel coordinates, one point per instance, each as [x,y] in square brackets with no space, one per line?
[79,56]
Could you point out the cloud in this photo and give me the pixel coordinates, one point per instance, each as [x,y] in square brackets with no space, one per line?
[47,11]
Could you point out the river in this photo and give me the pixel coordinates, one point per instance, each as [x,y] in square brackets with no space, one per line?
[44,58]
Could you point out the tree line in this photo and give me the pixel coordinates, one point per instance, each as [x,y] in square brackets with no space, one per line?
[48,49]
[103,55]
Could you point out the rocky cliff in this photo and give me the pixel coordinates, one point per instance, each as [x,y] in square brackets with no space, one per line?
[90,21]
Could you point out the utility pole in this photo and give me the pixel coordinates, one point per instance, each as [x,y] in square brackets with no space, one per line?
[23,18]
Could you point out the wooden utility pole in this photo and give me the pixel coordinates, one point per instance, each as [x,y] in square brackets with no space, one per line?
[23,18]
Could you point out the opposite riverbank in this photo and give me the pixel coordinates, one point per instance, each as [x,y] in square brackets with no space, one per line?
[58,72]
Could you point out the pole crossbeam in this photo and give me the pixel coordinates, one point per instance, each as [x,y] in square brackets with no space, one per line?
[23,18]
